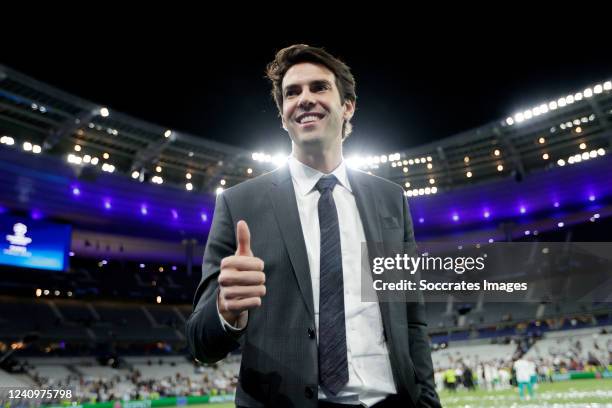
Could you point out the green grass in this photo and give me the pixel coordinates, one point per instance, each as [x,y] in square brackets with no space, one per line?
[565,394]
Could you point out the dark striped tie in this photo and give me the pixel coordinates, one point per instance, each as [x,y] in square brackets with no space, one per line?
[333,364]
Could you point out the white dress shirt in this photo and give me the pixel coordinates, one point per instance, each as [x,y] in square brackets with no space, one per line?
[370,375]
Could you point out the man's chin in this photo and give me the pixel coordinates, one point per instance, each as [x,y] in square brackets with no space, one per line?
[309,139]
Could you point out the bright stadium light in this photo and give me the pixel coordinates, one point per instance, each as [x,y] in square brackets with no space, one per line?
[7,140]
[135,174]
[189,186]
[36,149]
[167,133]
[353,162]
[598,89]
[607,85]
[27,146]
[104,112]
[77,159]
[109,168]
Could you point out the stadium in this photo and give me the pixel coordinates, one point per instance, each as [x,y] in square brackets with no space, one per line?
[105,217]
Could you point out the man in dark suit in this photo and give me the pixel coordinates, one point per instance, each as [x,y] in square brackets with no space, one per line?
[281,273]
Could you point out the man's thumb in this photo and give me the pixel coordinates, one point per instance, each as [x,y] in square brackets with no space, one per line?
[243,237]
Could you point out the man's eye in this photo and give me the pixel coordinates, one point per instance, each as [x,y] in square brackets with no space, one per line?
[319,88]
[290,92]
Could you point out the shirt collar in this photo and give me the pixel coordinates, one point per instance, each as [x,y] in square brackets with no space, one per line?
[306,177]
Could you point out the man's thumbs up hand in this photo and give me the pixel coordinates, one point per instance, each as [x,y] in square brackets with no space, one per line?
[242,280]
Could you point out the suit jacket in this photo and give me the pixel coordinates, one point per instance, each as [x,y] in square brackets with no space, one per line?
[279,350]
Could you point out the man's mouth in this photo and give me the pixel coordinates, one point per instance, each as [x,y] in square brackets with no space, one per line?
[309,118]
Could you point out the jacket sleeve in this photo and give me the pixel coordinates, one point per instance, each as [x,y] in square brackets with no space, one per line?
[207,339]
[420,351]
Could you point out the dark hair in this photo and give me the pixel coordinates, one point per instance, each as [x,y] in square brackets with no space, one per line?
[295,54]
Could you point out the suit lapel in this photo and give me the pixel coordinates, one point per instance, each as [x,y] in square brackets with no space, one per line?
[282,196]
[367,207]
[392,313]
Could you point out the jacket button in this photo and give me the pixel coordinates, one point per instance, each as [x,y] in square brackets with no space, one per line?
[308,392]
[311,333]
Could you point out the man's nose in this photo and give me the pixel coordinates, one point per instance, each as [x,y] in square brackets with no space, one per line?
[307,100]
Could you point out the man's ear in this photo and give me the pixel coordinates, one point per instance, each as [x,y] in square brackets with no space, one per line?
[283,123]
[349,109]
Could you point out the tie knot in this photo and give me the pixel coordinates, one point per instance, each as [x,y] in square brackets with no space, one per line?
[326,183]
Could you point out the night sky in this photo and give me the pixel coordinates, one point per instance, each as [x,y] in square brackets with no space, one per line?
[412,87]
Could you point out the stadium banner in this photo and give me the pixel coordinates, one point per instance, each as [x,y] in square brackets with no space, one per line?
[486,272]
[161,402]
[581,375]
[34,244]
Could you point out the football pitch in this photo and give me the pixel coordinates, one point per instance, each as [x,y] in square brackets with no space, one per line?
[565,394]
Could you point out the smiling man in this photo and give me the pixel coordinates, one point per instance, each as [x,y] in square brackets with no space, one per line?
[281,272]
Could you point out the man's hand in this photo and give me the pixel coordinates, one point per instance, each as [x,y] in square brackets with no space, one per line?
[242,280]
